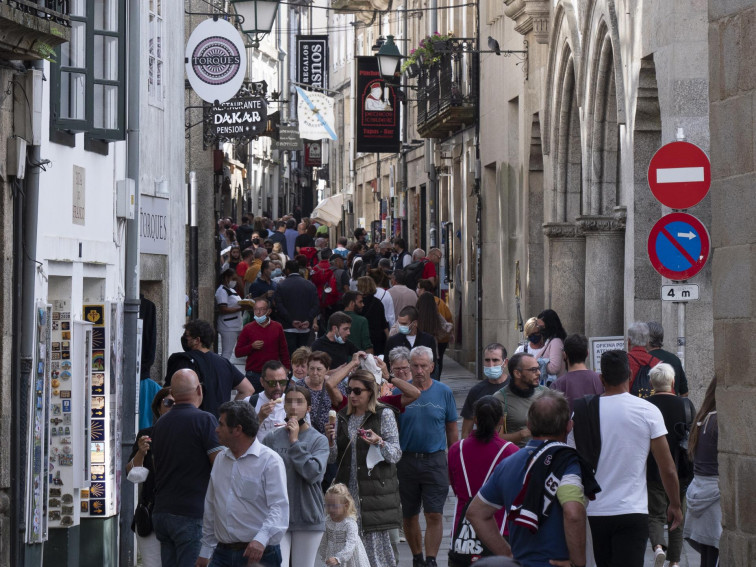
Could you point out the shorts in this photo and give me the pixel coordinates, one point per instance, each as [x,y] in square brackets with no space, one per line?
[423,480]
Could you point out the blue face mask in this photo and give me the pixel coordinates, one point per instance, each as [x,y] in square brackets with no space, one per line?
[493,372]
[339,339]
[276,273]
[404,329]
[261,320]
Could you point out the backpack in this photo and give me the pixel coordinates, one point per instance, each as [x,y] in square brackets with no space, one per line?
[682,430]
[311,254]
[466,547]
[359,268]
[642,383]
[325,278]
[180,360]
[414,273]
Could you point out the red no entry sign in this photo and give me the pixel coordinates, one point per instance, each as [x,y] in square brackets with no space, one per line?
[678,246]
[679,175]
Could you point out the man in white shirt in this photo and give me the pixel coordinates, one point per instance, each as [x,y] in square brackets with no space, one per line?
[269,404]
[246,506]
[629,427]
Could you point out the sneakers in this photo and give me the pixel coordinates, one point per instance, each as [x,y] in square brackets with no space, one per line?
[659,557]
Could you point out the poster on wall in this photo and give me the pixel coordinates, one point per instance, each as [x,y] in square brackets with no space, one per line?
[377,110]
[312,60]
[313,153]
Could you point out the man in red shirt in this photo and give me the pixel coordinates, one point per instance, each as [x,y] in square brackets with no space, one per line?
[637,350]
[260,341]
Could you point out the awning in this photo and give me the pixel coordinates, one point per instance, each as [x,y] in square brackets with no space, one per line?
[329,210]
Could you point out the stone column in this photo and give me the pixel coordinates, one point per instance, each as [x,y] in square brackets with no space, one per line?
[566,269]
[604,273]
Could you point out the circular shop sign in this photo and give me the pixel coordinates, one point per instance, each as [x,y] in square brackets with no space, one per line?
[216,60]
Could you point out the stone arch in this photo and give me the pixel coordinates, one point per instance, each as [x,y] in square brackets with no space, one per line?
[567,157]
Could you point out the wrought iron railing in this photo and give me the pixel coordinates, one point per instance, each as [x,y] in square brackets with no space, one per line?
[448,84]
[54,10]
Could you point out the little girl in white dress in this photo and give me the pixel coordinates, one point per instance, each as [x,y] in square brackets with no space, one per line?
[341,545]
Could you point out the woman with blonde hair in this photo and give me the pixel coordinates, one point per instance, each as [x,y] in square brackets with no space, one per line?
[366,427]
[533,338]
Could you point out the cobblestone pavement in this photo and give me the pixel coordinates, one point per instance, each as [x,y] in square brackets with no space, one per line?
[459,379]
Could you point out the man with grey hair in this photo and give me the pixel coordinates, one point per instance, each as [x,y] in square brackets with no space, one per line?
[546,510]
[429,266]
[247,504]
[678,416]
[426,429]
[641,362]
[655,344]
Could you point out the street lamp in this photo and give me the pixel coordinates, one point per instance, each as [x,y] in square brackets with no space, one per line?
[388,58]
[258,17]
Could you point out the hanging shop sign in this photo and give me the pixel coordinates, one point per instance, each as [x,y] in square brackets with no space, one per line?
[154,225]
[244,117]
[216,60]
[312,60]
[313,153]
[288,138]
[377,110]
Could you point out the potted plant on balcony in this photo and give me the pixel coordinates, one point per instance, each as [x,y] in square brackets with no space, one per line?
[428,52]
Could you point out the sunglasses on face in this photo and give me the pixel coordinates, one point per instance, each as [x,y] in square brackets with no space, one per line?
[357,391]
[168,403]
[274,383]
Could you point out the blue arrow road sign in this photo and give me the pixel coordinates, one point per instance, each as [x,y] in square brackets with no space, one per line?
[678,246]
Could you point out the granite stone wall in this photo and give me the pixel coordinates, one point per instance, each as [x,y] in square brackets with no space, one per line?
[732,93]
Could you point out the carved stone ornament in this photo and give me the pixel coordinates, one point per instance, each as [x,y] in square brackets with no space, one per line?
[598,223]
[530,15]
[562,230]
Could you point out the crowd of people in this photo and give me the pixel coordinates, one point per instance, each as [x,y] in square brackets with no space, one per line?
[342,432]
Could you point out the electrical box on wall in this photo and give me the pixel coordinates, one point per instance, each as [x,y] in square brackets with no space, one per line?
[16,157]
[125,198]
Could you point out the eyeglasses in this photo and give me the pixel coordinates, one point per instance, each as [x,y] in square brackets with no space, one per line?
[168,402]
[357,391]
[405,369]
[534,370]
[274,383]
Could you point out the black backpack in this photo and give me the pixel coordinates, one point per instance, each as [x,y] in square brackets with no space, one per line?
[642,384]
[682,431]
[413,273]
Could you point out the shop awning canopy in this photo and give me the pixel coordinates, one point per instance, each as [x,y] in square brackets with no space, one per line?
[328,210]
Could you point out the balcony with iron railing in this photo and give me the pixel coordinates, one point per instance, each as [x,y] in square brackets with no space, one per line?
[32,29]
[447,95]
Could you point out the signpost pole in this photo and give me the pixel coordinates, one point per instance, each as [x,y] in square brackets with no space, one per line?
[681,332]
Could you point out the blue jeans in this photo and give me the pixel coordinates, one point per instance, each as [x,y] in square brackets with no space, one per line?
[179,538]
[223,557]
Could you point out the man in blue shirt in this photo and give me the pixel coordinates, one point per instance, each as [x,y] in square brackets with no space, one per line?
[541,488]
[426,429]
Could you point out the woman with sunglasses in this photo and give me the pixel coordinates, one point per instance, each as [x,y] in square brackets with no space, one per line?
[366,432]
[141,470]
[305,453]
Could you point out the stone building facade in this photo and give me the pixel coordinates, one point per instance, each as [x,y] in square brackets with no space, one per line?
[732,29]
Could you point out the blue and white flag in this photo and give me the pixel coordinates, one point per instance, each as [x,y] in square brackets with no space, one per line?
[316,116]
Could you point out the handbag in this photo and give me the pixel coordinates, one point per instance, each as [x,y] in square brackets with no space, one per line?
[465,546]
[142,522]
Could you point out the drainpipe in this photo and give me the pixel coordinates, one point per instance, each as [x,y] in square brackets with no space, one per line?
[430,151]
[25,213]
[478,216]
[193,246]
[131,285]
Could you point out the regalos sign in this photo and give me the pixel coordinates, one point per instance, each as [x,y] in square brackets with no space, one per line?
[216,60]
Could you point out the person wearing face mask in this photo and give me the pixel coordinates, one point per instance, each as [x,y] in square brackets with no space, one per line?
[260,341]
[534,342]
[408,335]
[336,341]
[305,454]
[263,286]
[494,364]
[517,396]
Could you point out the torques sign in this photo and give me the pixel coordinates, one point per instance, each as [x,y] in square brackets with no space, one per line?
[216,61]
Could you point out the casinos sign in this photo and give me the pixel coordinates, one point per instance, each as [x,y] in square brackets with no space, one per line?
[216,60]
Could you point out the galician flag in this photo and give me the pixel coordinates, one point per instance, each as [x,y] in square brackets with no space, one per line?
[316,117]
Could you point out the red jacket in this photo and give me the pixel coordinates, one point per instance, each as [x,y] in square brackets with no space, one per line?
[639,357]
[274,345]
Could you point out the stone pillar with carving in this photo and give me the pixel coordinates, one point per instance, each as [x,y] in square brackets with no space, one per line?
[530,16]
[604,273]
[566,268]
